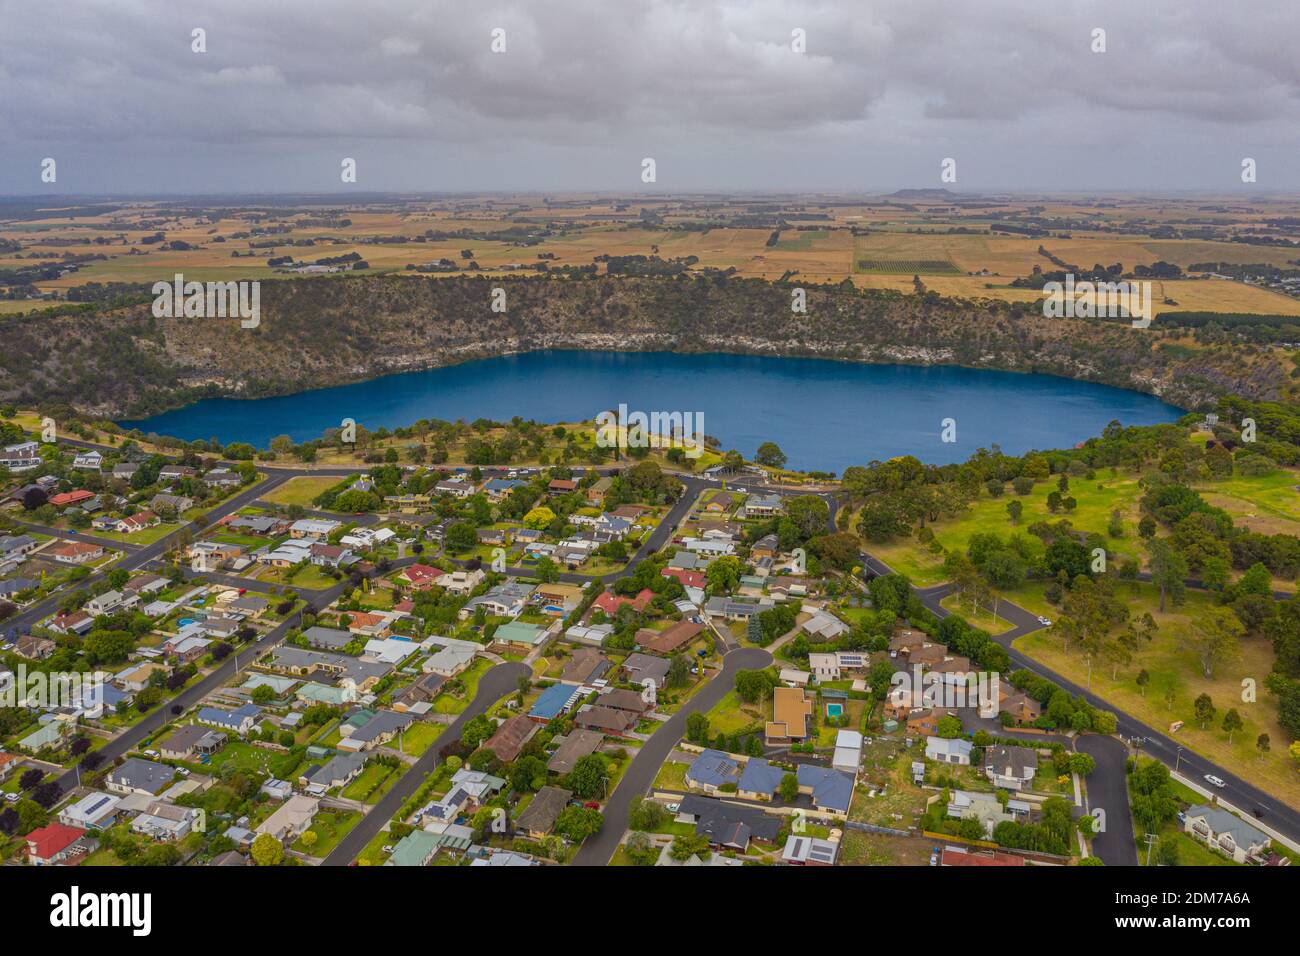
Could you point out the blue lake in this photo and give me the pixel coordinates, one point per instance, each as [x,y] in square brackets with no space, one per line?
[823,414]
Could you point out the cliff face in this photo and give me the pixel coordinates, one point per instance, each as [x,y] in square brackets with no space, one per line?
[331,330]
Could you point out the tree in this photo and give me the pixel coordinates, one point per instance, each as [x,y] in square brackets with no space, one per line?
[754,685]
[679,671]
[539,518]
[646,814]
[723,574]
[1232,723]
[789,789]
[1014,510]
[1168,570]
[578,823]
[770,454]
[309,838]
[1215,639]
[697,728]
[589,777]
[948,727]
[1204,709]
[267,851]
[1262,745]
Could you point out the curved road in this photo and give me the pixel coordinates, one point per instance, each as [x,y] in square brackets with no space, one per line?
[599,849]
[492,686]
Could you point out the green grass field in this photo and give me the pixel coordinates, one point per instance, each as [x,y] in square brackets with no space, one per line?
[1096,499]
[300,491]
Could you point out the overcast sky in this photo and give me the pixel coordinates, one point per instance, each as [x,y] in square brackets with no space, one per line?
[587,88]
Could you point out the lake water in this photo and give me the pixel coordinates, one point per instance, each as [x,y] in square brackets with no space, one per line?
[823,414]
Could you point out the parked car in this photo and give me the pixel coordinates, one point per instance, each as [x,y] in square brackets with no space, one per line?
[1044,621]
[12,798]
[1215,781]
[151,753]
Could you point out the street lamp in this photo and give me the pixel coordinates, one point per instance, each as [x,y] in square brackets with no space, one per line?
[1178,759]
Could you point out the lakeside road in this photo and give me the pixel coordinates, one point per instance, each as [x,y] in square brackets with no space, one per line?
[492,686]
[599,849]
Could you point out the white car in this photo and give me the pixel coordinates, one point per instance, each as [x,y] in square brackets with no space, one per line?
[182,772]
[151,753]
[12,798]
[1045,622]
[1215,781]
[673,807]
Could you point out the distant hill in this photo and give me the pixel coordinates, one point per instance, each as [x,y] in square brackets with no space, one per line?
[945,194]
[332,330]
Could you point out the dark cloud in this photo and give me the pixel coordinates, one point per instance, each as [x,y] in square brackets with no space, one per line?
[587,88]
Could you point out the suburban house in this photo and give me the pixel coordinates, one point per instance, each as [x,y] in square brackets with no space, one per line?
[338,771]
[165,821]
[1012,768]
[518,634]
[504,600]
[449,655]
[762,506]
[946,750]
[640,668]
[137,775]
[1224,831]
[53,844]
[809,851]
[38,648]
[672,638]
[728,826]
[77,552]
[291,819]
[509,739]
[327,638]
[538,818]
[1021,707]
[607,720]
[416,696]
[712,770]
[173,503]
[554,701]
[586,664]
[189,740]
[573,747]
[94,811]
[791,713]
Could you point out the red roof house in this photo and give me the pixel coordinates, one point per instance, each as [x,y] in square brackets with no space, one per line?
[609,602]
[51,844]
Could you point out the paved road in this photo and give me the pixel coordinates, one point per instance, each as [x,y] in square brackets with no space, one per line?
[143,555]
[598,850]
[1236,792]
[1107,788]
[78,536]
[492,686]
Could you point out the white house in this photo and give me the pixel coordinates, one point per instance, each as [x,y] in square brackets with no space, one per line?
[944,750]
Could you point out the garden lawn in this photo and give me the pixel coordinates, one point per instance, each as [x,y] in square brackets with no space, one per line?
[330,826]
